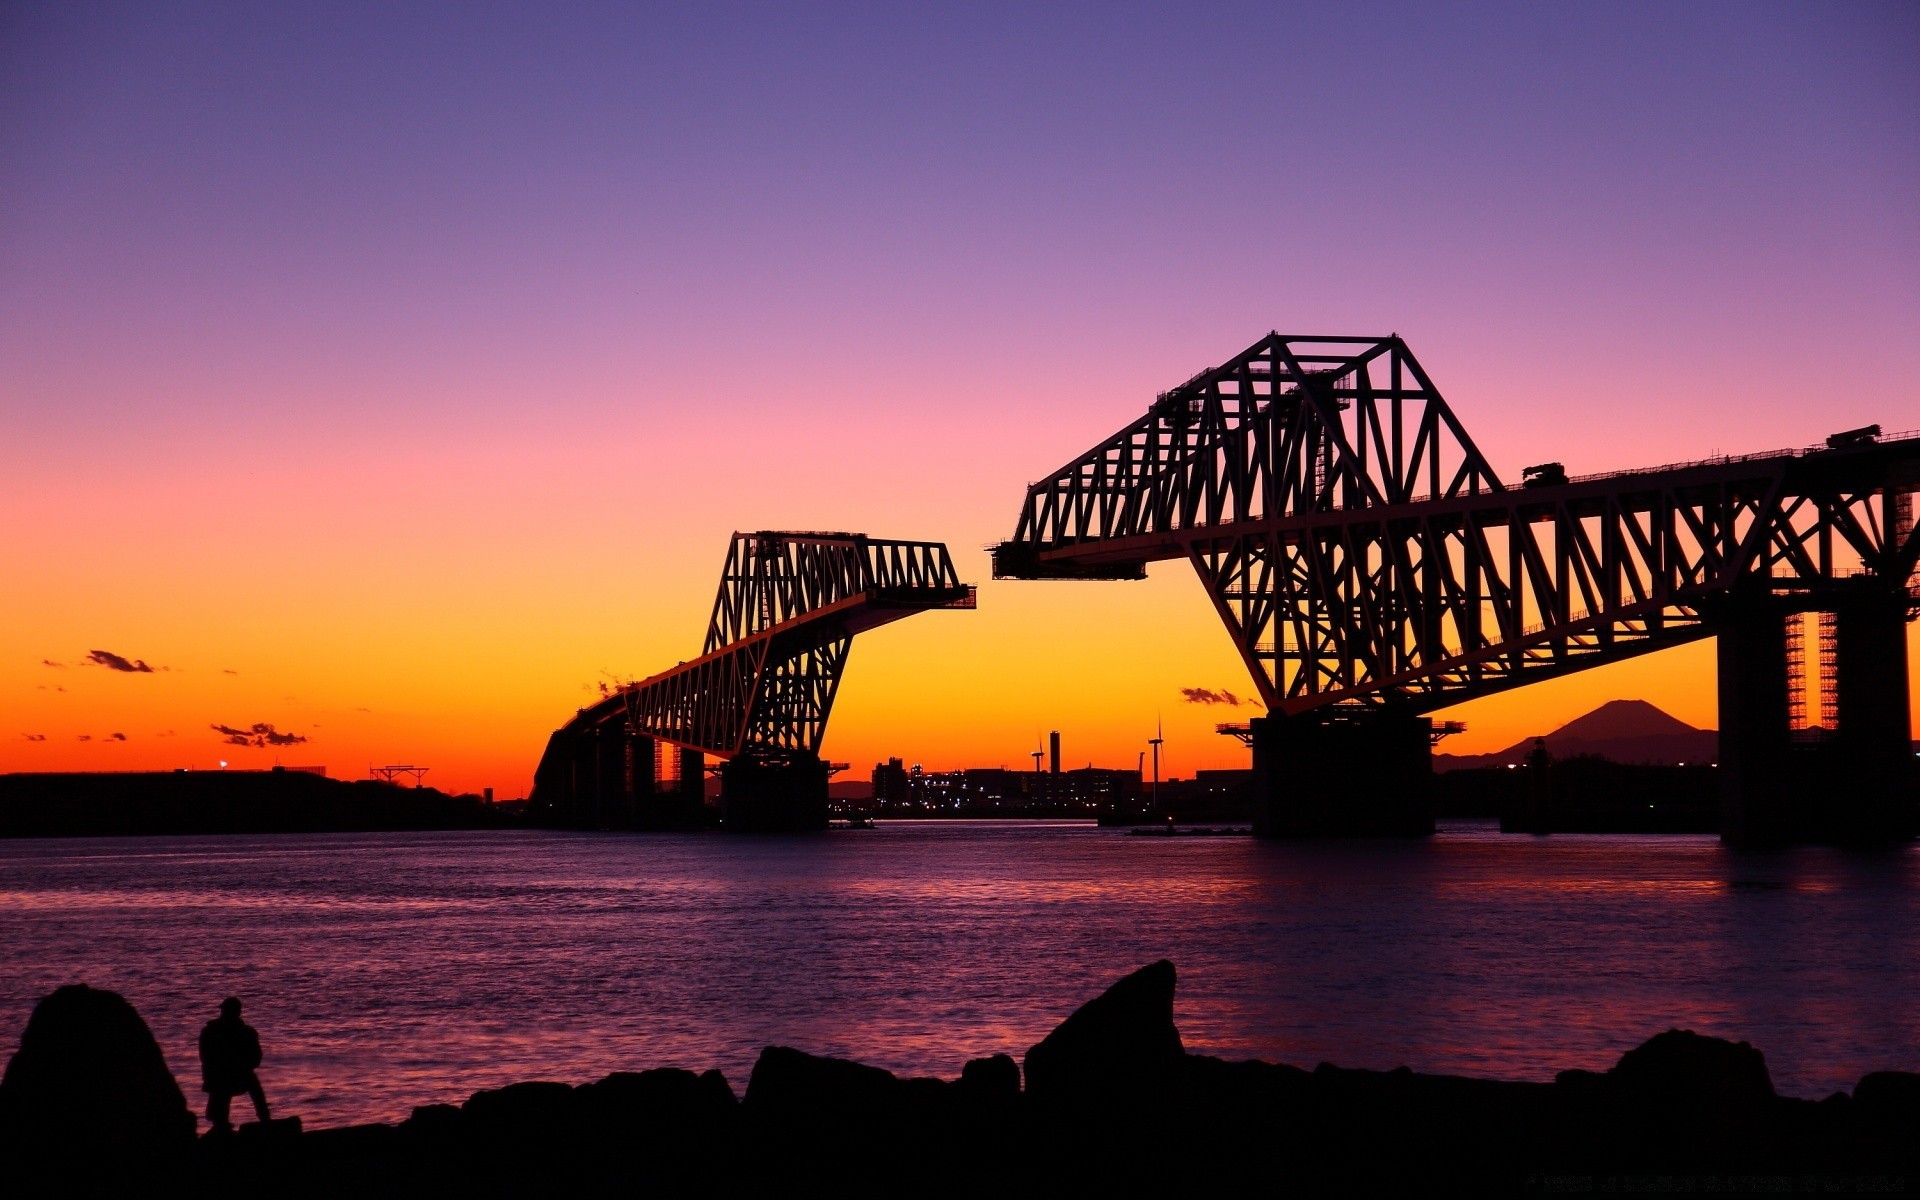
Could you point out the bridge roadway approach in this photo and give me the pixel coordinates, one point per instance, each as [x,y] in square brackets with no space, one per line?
[1372,567]
[757,698]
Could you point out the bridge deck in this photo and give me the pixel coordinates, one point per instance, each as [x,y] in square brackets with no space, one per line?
[1637,489]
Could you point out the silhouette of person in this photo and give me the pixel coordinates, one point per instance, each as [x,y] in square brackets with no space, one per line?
[229,1055]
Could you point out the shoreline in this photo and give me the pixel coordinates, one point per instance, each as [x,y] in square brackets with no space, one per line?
[1109,1098]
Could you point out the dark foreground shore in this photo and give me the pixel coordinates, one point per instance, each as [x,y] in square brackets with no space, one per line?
[188,803]
[1109,1102]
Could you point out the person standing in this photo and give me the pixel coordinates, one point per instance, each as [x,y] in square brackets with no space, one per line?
[229,1056]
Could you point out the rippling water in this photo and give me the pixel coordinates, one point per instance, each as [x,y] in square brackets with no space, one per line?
[388,970]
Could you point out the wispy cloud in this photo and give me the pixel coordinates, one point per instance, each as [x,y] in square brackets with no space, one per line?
[47,662]
[261,733]
[34,737]
[228,671]
[116,737]
[85,737]
[113,662]
[1196,695]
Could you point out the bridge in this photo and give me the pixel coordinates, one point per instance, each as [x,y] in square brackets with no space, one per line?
[756,699]
[1371,566]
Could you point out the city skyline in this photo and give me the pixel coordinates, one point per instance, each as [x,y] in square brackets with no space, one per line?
[392,390]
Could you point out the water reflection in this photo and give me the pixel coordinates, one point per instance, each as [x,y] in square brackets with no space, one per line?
[390,970]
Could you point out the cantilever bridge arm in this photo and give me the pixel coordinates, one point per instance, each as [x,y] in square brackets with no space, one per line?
[1361,550]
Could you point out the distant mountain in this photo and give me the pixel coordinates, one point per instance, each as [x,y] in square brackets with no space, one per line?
[1628,731]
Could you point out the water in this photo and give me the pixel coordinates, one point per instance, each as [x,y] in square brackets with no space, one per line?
[389,970]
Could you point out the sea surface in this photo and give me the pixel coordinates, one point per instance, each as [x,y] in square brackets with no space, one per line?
[390,970]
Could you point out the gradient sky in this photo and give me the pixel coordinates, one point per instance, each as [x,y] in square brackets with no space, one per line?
[393,373]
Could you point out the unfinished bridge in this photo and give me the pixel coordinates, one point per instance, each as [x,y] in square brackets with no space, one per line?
[757,698]
[1371,566]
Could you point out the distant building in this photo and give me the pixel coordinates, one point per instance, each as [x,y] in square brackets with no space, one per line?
[901,791]
[1102,787]
[890,785]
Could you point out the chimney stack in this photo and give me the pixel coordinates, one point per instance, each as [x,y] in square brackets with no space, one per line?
[1053,740]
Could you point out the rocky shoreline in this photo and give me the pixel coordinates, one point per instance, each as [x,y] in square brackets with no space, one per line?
[1109,1101]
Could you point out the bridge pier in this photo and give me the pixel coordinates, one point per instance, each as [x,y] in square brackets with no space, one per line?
[676,804]
[1854,783]
[766,795]
[603,777]
[1756,796]
[1321,776]
[612,792]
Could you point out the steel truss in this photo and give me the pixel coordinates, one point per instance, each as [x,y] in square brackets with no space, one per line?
[1362,552]
[788,608]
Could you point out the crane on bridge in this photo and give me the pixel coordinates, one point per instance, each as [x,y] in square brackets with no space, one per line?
[1371,566]
[758,696]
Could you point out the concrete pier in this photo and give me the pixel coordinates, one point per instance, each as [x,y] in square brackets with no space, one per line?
[1325,776]
[1853,783]
[773,796]
[603,778]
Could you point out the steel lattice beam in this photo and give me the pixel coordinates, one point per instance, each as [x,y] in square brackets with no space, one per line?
[1361,551]
[788,608]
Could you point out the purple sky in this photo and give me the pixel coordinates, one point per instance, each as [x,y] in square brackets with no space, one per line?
[880,266]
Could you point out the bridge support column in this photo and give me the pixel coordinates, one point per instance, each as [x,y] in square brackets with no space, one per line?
[610,805]
[1320,777]
[552,802]
[644,793]
[773,796]
[692,794]
[1756,794]
[677,802]
[1871,796]
[1852,784]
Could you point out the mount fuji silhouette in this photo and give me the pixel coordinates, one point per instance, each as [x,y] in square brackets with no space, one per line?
[1627,731]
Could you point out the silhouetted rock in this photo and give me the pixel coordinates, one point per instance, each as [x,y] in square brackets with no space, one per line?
[1693,1069]
[89,1084]
[278,1129]
[432,1120]
[991,1080]
[1113,1103]
[791,1090]
[1116,1049]
[1221,1088]
[1889,1102]
[1679,1097]
[660,1108]
[517,1101]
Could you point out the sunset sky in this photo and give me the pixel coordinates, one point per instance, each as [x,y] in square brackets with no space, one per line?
[391,375]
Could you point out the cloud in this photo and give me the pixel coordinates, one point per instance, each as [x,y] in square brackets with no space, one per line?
[113,662]
[1209,696]
[34,737]
[44,688]
[259,734]
[47,662]
[116,737]
[165,733]
[228,671]
[85,737]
